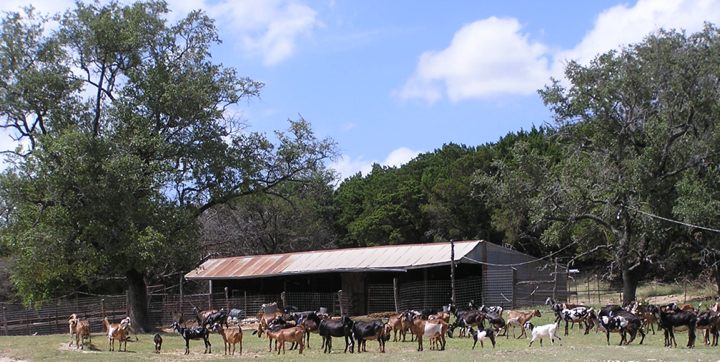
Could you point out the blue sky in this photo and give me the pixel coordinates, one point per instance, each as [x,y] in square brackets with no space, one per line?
[389,79]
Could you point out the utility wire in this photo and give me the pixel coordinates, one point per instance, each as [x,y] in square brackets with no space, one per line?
[671,220]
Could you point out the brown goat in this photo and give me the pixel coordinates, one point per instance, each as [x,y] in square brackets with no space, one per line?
[293,335]
[81,330]
[117,331]
[231,336]
[518,318]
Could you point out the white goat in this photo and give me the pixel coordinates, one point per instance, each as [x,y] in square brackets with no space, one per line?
[541,332]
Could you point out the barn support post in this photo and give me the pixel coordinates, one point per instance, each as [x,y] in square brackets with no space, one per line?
[395,294]
[245,301]
[513,302]
[452,271]
[227,300]
[283,300]
[425,287]
[340,301]
[210,294]
[5,328]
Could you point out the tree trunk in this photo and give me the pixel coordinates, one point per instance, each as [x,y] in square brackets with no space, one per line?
[137,302]
[630,283]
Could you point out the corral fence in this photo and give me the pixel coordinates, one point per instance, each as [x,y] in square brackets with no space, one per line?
[51,317]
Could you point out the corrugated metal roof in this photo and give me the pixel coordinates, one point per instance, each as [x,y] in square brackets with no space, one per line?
[379,258]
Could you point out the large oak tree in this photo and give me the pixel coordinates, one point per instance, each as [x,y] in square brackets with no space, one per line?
[125,136]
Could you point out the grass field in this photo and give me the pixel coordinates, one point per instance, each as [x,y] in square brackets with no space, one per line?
[575,347]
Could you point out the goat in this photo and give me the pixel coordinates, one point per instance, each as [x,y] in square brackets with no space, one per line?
[311,323]
[193,333]
[434,329]
[201,315]
[231,336]
[577,315]
[540,332]
[518,318]
[623,322]
[81,330]
[235,315]
[396,324]
[117,331]
[220,316]
[363,331]
[557,308]
[336,328]
[294,335]
[647,313]
[157,339]
[709,321]
[467,319]
[482,334]
[493,309]
[677,318]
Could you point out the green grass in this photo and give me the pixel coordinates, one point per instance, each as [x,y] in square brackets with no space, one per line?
[575,347]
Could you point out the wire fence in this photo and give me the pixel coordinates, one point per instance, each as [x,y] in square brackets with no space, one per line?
[51,317]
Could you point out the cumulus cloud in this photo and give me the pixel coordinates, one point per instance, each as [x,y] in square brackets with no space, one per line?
[346,166]
[485,58]
[494,56]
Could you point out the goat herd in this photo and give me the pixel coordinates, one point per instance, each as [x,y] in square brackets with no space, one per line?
[290,326]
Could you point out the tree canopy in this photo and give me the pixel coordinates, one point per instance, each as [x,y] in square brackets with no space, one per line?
[126,135]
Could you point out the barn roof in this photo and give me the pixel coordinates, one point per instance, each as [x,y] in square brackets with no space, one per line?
[379,258]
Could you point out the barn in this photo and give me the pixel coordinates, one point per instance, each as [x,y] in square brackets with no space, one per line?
[388,278]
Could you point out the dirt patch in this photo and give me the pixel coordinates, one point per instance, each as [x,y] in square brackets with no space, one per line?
[4,358]
[88,348]
[667,299]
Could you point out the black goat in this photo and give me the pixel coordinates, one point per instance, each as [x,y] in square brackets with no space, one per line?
[311,322]
[677,318]
[336,328]
[709,321]
[467,319]
[375,329]
[193,333]
[157,339]
[219,317]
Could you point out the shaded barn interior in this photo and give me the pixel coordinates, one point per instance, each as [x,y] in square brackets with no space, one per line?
[387,278]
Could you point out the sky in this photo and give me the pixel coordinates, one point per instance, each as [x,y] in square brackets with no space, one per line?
[388,80]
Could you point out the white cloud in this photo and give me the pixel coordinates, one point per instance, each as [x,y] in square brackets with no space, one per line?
[485,58]
[494,57]
[346,166]
[269,29]
[623,25]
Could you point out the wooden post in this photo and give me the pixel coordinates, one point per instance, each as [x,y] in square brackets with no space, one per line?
[340,301]
[210,294]
[555,281]
[597,284]
[588,290]
[181,292]
[245,302]
[102,308]
[57,306]
[4,308]
[395,294]
[27,321]
[513,303]
[127,302]
[452,271]
[282,299]
[685,289]
[227,300]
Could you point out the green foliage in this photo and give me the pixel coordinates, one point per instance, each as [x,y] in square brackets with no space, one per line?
[128,138]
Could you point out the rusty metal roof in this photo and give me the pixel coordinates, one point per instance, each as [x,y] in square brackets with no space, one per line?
[378,258]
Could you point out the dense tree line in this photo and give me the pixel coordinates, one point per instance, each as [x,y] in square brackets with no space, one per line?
[129,165]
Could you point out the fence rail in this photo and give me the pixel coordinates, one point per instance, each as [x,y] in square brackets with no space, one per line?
[51,316]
